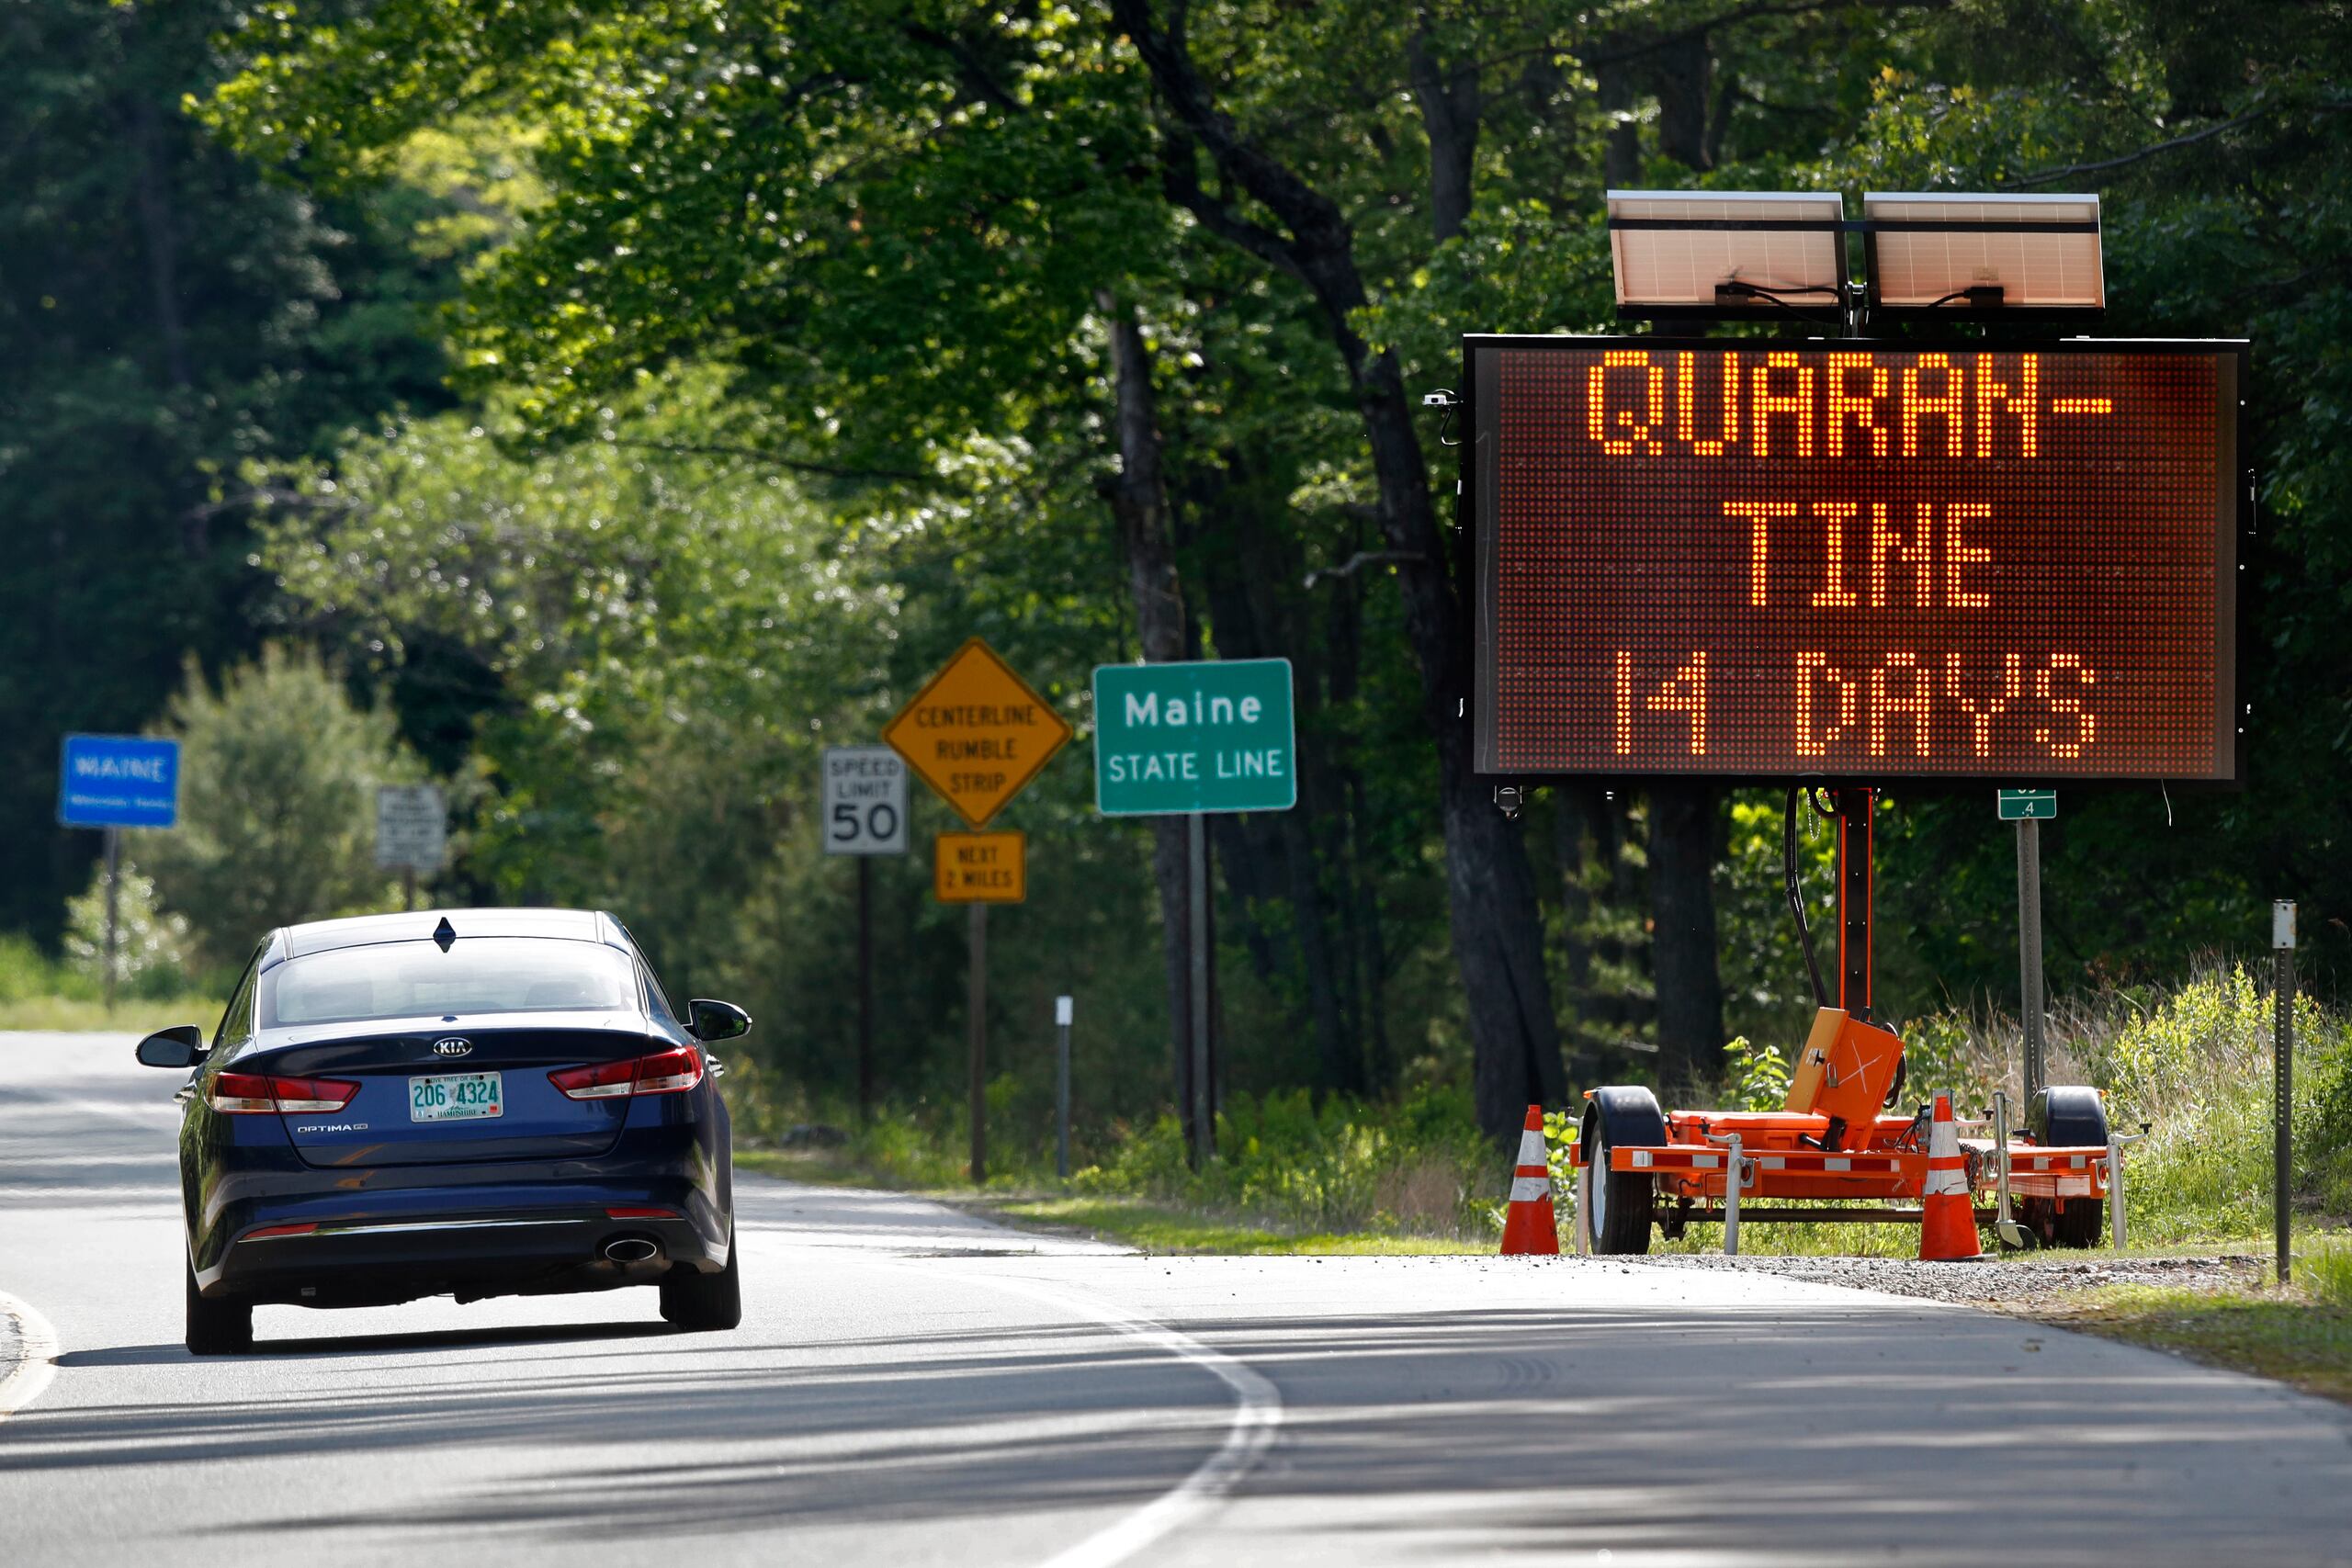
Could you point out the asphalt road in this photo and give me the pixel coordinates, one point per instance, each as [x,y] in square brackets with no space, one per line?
[911,1386]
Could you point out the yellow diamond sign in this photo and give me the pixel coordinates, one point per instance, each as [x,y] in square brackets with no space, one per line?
[977,734]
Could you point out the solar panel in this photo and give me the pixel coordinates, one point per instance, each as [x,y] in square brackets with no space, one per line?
[1930,250]
[1674,249]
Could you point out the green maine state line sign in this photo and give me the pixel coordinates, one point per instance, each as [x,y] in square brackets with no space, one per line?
[1213,735]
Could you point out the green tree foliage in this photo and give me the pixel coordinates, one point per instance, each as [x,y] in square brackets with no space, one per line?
[277,815]
[166,313]
[869,255]
[670,632]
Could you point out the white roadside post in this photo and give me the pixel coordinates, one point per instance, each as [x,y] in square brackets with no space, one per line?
[2282,1110]
[2115,1189]
[1063,1008]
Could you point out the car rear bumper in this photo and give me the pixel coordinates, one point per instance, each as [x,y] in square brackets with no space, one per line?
[367,1260]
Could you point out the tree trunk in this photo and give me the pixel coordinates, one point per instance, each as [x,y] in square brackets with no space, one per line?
[1681,74]
[1449,114]
[1570,825]
[1139,504]
[1620,159]
[1252,622]
[1498,930]
[1682,942]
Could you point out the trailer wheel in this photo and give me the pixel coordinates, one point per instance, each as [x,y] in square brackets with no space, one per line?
[2067,1115]
[1624,1202]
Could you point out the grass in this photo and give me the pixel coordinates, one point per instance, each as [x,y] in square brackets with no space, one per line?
[2301,1334]
[1161,1227]
[39,992]
[1141,1223]
[2287,1335]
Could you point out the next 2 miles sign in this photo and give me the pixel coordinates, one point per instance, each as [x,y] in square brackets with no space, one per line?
[1208,735]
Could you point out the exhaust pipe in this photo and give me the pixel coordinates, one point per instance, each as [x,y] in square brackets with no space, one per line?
[630,1249]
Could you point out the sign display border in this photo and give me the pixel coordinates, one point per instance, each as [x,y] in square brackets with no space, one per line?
[1478,567]
[865,848]
[905,715]
[1174,667]
[147,822]
[1014,837]
[440,800]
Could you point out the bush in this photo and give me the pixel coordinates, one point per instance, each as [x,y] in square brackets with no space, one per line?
[2197,1068]
[151,946]
[277,810]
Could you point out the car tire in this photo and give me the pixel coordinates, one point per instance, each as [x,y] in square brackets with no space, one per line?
[705,1301]
[216,1328]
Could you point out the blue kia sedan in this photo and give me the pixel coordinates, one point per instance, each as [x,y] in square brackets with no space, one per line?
[466,1103]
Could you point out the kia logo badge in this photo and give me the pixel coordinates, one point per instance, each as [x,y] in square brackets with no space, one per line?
[453,1046]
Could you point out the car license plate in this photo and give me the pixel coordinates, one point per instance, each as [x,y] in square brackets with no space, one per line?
[454,1097]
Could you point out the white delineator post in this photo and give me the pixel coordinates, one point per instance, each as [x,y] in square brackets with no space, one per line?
[2115,1189]
[1734,1179]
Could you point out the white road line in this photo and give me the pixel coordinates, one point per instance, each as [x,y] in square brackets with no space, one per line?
[1257,1413]
[38,1342]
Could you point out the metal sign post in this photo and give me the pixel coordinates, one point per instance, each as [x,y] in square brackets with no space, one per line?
[865,990]
[2282,1110]
[976,1034]
[116,781]
[980,869]
[1196,903]
[864,815]
[977,734]
[1188,739]
[2028,809]
[114,884]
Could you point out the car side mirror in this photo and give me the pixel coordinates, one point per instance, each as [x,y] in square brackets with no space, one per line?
[707,1020]
[179,1046]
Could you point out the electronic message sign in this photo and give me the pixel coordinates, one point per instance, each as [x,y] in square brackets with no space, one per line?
[1766,560]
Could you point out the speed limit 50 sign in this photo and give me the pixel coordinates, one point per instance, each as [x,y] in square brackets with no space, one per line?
[865,801]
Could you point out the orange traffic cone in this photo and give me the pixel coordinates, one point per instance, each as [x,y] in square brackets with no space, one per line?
[1947,1230]
[1529,1228]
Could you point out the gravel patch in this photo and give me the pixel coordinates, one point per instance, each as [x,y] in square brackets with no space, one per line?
[2011,1282]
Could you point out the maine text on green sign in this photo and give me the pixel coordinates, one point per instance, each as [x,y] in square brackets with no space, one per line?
[1209,736]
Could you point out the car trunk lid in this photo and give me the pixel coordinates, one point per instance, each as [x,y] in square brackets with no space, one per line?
[444,1092]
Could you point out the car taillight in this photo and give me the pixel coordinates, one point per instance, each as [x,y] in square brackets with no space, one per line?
[254,1094]
[665,1072]
[309,1095]
[670,1071]
[607,1080]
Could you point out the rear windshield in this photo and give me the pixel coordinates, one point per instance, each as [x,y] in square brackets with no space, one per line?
[411,979]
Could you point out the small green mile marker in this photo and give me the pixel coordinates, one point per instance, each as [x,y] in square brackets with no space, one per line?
[2029,804]
[1213,735]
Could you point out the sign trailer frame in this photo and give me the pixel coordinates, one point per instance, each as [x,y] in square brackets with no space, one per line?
[1831,1140]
